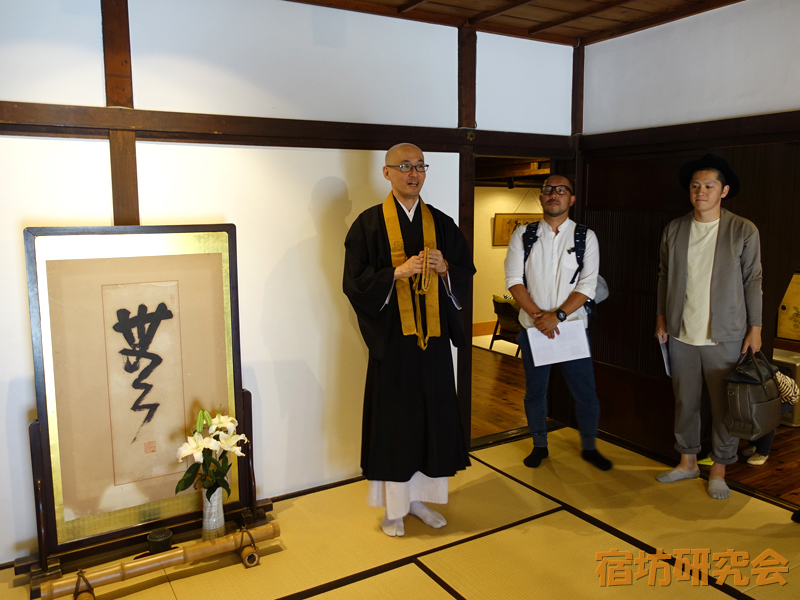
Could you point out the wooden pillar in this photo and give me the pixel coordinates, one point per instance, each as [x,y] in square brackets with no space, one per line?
[119,92]
[467,56]
[466,222]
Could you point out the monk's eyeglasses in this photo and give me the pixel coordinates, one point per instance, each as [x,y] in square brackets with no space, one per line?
[559,189]
[407,168]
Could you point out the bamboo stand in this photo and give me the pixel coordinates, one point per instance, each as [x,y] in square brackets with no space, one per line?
[80,586]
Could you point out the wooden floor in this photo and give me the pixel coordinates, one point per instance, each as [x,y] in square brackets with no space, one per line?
[498,387]
[780,475]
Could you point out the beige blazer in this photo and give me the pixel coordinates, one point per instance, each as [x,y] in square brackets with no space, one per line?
[735,278]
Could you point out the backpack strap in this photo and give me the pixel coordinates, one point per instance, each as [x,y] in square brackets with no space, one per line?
[529,238]
[580,248]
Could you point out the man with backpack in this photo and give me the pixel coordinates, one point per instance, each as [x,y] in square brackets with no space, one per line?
[552,270]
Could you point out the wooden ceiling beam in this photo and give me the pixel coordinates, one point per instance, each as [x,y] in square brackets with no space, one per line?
[388,11]
[586,12]
[404,8]
[674,15]
[515,170]
[497,11]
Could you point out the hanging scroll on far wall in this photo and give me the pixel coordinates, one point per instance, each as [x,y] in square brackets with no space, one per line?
[506,223]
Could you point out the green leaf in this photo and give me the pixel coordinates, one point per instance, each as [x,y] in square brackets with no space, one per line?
[188,478]
[224,485]
[210,492]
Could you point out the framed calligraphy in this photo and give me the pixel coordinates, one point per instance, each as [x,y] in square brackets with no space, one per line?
[504,225]
[134,330]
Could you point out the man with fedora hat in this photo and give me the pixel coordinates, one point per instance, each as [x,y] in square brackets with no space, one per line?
[709,308]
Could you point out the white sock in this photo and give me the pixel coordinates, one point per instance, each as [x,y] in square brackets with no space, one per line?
[431,518]
[393,527]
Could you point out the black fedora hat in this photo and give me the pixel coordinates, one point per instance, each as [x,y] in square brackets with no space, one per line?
[710,161]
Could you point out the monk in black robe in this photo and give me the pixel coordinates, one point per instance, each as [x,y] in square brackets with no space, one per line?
[412,435]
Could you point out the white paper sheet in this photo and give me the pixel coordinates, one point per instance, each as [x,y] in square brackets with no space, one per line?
[570,344]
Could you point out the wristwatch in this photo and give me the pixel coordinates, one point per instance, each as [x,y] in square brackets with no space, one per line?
[562,316]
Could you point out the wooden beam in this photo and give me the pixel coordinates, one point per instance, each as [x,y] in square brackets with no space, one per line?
[388,11]
[22,117]
[488,14]
[516,170]
[467,61]
[586,12]
[578,60]
[759,129]
[680,13]
[117,53]
[124,186]
[521,32]
[404,8]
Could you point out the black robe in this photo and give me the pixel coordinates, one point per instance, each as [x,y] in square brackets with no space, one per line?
[411,418]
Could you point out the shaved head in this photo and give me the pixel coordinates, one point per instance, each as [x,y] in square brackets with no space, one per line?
[397,150]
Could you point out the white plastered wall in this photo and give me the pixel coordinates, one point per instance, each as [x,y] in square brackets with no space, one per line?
[43,182]
[490,278]
[735,61]
[302,354]
[51,51]
[523,86]
[269,58]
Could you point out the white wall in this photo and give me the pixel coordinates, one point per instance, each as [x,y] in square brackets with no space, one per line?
[490,278]
[269,58]
[302,355]
[43,182]
[51,51]
[734,61]
[523,86]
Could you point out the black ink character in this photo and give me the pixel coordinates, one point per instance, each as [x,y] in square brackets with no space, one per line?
[146,325]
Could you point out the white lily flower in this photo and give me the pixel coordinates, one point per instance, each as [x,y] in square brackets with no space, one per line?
[194,446]
[230,443]
[221,422]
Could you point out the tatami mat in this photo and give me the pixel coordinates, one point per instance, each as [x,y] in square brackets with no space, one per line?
[398,584]
[668,516]
[513,532]
[332,534]
[550,557]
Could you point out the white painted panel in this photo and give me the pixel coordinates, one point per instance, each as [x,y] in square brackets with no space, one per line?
[43,182]
[302,354]
[523,85]
[734,61]
[51,51]
[267,58]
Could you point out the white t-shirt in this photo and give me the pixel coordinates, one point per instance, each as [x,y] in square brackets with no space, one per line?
[696,324]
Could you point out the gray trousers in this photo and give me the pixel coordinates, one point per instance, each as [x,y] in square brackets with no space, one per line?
[690,365]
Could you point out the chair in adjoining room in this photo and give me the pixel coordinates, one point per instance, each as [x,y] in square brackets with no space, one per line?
[507,326]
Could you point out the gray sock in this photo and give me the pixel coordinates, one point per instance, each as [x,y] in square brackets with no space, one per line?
[718,489]
[676,475]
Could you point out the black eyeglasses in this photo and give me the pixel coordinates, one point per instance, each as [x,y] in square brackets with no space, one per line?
[407,168]
[559,189]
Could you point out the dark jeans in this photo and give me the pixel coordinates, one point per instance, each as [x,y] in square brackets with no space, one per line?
[764,443]
[579,375]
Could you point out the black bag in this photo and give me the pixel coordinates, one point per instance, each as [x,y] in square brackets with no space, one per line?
[754,402]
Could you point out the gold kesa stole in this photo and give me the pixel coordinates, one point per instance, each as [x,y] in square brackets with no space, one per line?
[422,282]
